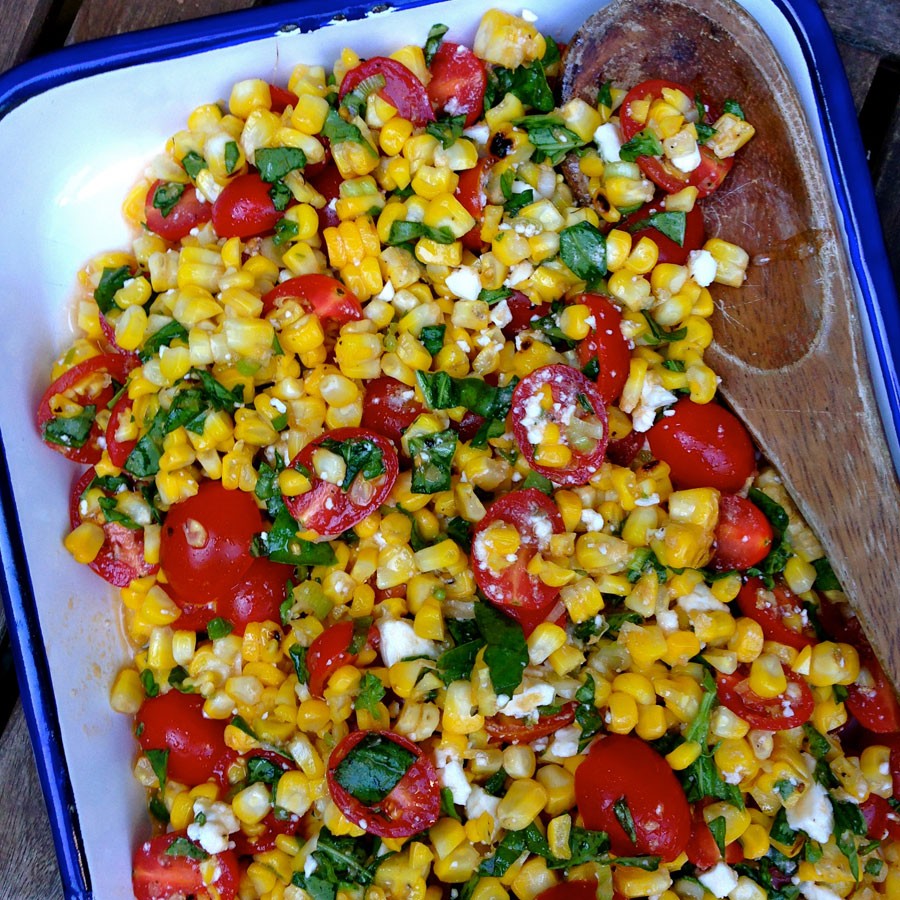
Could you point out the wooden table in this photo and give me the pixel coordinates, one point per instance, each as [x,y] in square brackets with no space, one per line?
[868,35]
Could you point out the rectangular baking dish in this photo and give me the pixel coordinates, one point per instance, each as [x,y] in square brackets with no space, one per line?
[83,123]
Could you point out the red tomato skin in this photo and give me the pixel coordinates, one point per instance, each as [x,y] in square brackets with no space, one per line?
[310,509]
[470,192]
[282,98]
[257,597]
[205,545]
[624,451]
[158,876]
[875,707]
[175,722]
[743,534]
[402,89]
[389,407]
[669,251]
[770,608]
[765,715]
[244,209]
[705,446]
[510,730]
[522,311]
[121,558]
[882,820]
[566,383]
[116,366]
[607,345]
[327,653]
[119,451]
[458,82]
[323,295]
[188,213]
[702,849]
[412,806]
[327,181]
[625,766]
[520,595]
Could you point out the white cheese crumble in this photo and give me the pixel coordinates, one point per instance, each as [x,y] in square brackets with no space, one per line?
[464,282]
[591,520]
[702,266]
[500,314]
[720,880]
[608,139]
[525,703]
[451,774]
[815,892]
[565,742]
[687,162]
[701,599]
[219,822]
[399,641]
[813,813]
[653,397]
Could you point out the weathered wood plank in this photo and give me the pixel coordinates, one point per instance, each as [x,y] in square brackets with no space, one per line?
[860,66]
[20,31]
[873,26]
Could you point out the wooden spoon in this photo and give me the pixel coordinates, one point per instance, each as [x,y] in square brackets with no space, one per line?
[788,343]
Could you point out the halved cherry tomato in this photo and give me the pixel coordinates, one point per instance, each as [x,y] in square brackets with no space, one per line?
[189,211]
[159,874]
[121,558]
[841,624]
[458,82]
[743,534]
[578,412]
[622,767]
[412,806]
[519,594]
[882,820]
[872,700]
[389,407]
[175,722]
[282,98]
[245,209]
[257,597]
[522,311]
[702,849]
[262,837]
[470,193]
[205,545]
[329,510]
[705,446]
[706,177]
[194,617]
[511,730]
[779,612]
[88,383]
[119,451]
[402,89]
[606,344]
[670,251]
[624,451]
[327,181]
[327,653]
[323,295]
[109,332]
[791,709]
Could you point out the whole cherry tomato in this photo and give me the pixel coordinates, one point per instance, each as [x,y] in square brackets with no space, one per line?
[257,596]
[743,534]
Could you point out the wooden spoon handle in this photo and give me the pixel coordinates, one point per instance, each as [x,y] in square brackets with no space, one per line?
[788,343]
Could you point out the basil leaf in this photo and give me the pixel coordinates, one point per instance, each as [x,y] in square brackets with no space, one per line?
[181,846]
[283,544]
[280,195]
[218,628]
[373,768]
[644,143]
[582,247]
[355,101]
[518,201]
[550,137]
[338,132]
[604,95]
[781,550]
[527,82]
[549,325]
[70,431]
[671,224]
[371,691]
[432,456]
[177,677]
[148,682]
[111,281]
[345,860]
[457,663]
[495,296]
[443,391]
[159,762]
[193,163]
[658,334]
[624,818]
[166,196]
[111,513]
[361,456]
[433,41]
[642,560]
[448,131]
[232,156]
[264,771]
[298,658]
[432,338]
[401,232]
[826,580]
[733,107]
[717,829]
[461,532]
[276,162]
[285,230]
[170,332]
[496,783]
[506,654]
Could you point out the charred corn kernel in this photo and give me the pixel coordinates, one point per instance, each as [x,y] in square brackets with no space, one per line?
[521,804]
[832,663]
[85,541]
[684,755]
[731,261]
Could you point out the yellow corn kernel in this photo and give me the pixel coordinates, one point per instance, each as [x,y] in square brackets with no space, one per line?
[521,804]
[684,755]
[622,717]
[832,663]
[652,723]
[84,542]
[767,678]
[545,640]
[731,261]
[458,717]
[507,40]
[127,694]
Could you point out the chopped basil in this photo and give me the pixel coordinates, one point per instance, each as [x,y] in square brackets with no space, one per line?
[166,196]
[519,201]
[591,368]
[159,762]
[457,663]
[644,143]
[339,131]
[495,296]
[218,628]
[402,232]
[232,157]
[111,281]
[433,41]
[624,818]
[432,456]
[240,723]
[70,431]
[171,331]
[264,771]
[586,713]
[283,544]
[148,682]
[355,101]
[158,810]
[373,768]
[550,137]
[717,828]
[734,108]
[658,334]
[298,658]
[496,783]
[604,95]
[642,560]
[781,831]
[181,846]
[371,691]
[361,456]
[527,82]
[785,787]
[285,230]
[340,860]
[432,338]
[276,162]
[448,131]
[781,550]
[443,391]
[671,224]
[111,513]
[506,654]
[281,195]
[193,163]
[582,247]
[461,532]
[177,677]
[826,580]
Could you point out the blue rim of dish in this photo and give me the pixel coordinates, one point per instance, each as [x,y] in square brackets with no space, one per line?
[855,198]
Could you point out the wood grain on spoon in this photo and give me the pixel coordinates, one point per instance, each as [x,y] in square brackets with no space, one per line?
[788,343]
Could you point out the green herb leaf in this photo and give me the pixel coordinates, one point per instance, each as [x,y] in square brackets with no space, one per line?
[733,107]
[717,827]
[338,131]
[494,296]
[849,823]
[658,334]
[285,230]
[70,431]
[448,130]
[181,846]
[506,654]
[443,391]
[264,771]
[582,247]
[644,143]
[193,163]
[496,783]
[433,41]
[373,768]
[283,544]
[457,663]
[826,580]
[539,482]
[166,196]
[298,658]
[432,338]
[371,691]
[218,628]
[432,456]
[624,818]
[148,682]
[276,162]
[159,762]
[461,532]
[355,101]
[111,513]
[552,140]
[165,337]
[671,224]
[232,157]
[361,456]
[402,232]
[527,82]
[281,195]
[604,95]
[111,281]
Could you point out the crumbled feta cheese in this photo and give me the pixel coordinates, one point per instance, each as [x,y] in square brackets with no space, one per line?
[500,314]
[480,801]
[813,813]
[565,742]
[480,134]
[667,619]
[815,892]
[399,641]
[608,139]
[702,266]
[534,421]
[701,599]
[518,273]
[653,397]
[525,702]
[387,292]
[687,162]
[591,520]
[451,774]
[720,880]
[219,822]
[464,282]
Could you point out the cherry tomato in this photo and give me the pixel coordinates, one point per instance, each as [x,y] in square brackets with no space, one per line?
[743,534]
[412,806]
[189,212]
[109,332]
[327,508]
[158,874]
[624,451]
[263,836]
[244,209]
[88,383]
[779,611]
[841,623]
[470,193]
[607,345]
[257,597]
[121,558]
[791,709]
[327,181]
[578,412]
[706,177]
[194,617]
[402,89]
[389,407]
[282,98]
[670,251]
[175,722]
[882,820]
[119,451]
[522,312]
[874,704]
[458,82]
[205,545]
[511,730]
[705,446]
[702,849]
[327,653]
[320,294]
[519,594]
[625,767]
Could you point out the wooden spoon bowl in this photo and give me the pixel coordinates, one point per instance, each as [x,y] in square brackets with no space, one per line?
[788,343]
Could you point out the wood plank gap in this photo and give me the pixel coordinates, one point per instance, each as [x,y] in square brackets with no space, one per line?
[57,26]
[876,118]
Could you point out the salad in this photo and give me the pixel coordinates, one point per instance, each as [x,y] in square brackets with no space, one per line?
[446,573]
